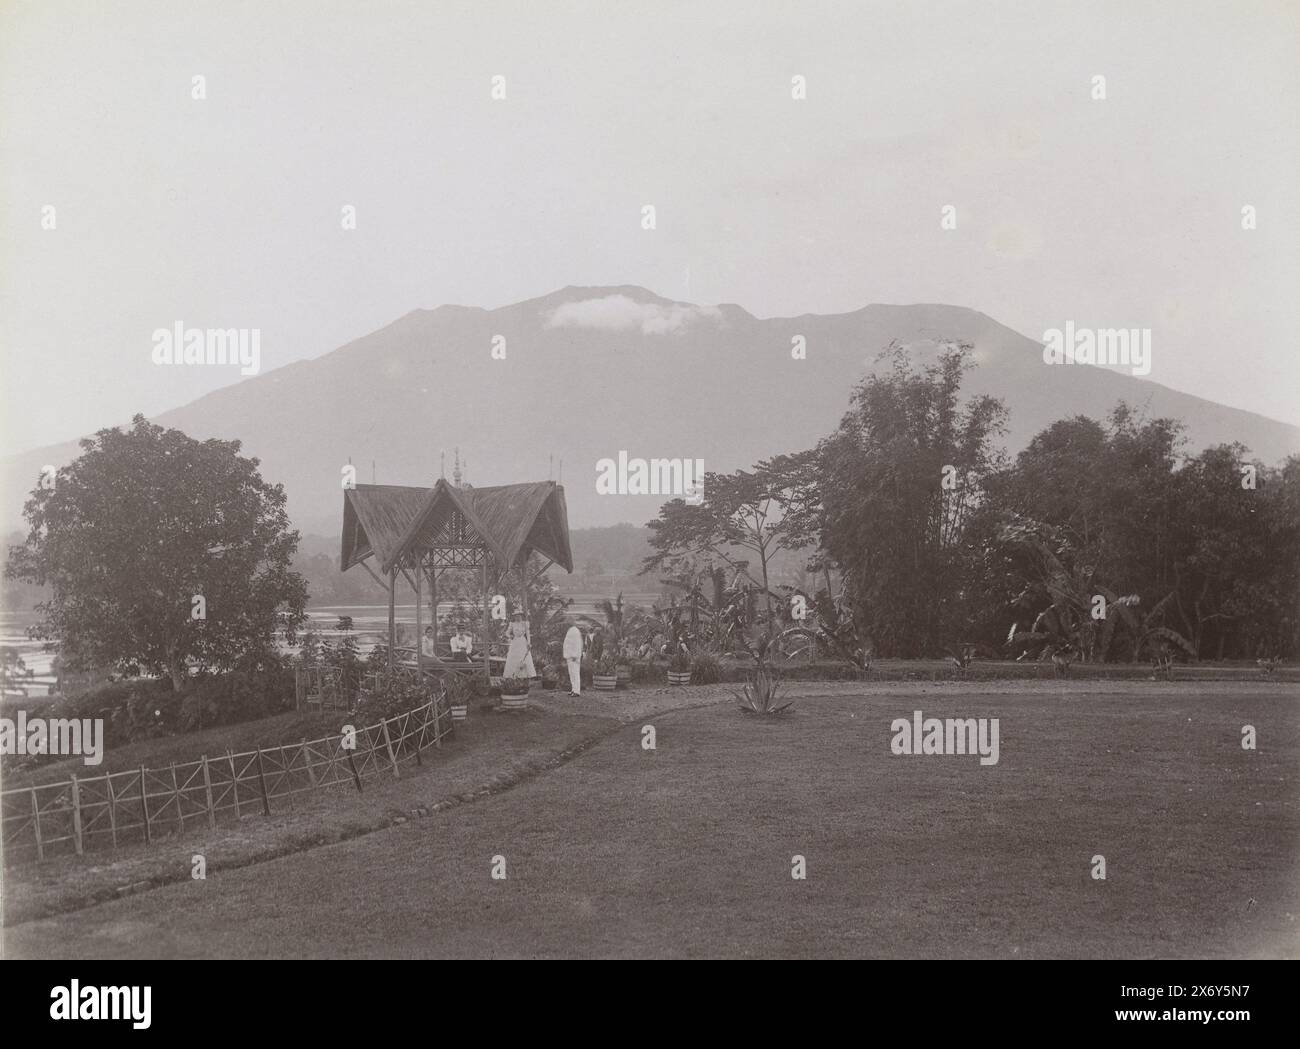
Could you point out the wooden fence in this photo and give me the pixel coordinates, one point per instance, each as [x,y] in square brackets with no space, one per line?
[142,805]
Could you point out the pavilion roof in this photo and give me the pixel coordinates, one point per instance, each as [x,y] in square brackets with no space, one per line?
[395,522]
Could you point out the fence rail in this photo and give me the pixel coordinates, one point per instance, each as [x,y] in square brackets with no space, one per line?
[141,805]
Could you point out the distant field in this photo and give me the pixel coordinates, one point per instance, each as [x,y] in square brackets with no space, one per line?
[686,850]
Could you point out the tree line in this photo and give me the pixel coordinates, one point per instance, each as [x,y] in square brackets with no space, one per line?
[1106,539]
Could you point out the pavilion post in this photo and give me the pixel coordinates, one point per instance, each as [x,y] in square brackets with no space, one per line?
[487,658]
[433,604]
[419,626]
[392,617]
[523,592]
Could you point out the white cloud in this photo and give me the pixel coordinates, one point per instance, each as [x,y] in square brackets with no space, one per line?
[620,313]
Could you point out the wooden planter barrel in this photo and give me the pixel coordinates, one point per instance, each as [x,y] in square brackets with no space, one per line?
[514,702]
[459,712]
[605,682]
[679,677]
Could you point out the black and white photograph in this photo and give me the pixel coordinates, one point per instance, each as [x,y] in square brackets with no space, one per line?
[662,480]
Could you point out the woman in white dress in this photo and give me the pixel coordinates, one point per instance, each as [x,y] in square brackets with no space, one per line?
[519,658]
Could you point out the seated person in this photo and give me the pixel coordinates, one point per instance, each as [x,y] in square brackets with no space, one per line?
[428,646]
[462,644]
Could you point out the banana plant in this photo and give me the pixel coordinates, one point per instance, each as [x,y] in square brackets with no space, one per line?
[1148,633]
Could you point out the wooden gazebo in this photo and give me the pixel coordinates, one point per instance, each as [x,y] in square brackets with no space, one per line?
[419,532]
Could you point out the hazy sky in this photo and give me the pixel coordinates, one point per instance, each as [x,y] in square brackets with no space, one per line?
[225,212]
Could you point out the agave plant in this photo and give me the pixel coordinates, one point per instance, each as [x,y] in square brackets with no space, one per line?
[1162,666]
[760,695]
[1062,658]
[963,659]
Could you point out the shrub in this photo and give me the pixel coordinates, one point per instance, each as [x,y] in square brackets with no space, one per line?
[706,669]
[391,695]
[148,708]
[680,661]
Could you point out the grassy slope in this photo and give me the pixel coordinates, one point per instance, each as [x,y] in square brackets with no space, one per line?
[290,727]
[686,851]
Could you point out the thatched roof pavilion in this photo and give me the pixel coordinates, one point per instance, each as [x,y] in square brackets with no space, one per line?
[405,529]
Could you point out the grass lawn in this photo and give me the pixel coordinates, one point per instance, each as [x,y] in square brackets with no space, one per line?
[686,850]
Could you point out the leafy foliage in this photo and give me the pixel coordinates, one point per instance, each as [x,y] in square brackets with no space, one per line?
[390,695]
[130,532]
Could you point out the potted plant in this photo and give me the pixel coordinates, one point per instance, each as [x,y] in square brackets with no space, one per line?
[621,622]
[459,690]
[679,667]
[605,675]
[514,693]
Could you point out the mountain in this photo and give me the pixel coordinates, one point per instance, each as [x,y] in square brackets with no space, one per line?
[592,371]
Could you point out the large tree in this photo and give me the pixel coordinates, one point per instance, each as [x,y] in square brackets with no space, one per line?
[742,518]
[900,482]
[1237,555]
[161,553]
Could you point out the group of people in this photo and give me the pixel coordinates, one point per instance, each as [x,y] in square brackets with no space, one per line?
[462,644]
[519,655]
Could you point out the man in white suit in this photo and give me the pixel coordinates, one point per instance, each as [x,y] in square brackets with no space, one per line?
[573,656]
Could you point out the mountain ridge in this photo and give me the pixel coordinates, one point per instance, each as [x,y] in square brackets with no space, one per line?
[592,370]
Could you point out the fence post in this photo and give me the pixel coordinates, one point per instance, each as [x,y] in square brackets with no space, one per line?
[76,815]
[234,783]
[112,809]
[356,776]
[36,823]
[261,779]
[176,797]
[144,807]
[207,791]
[306,758]
[388,742]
